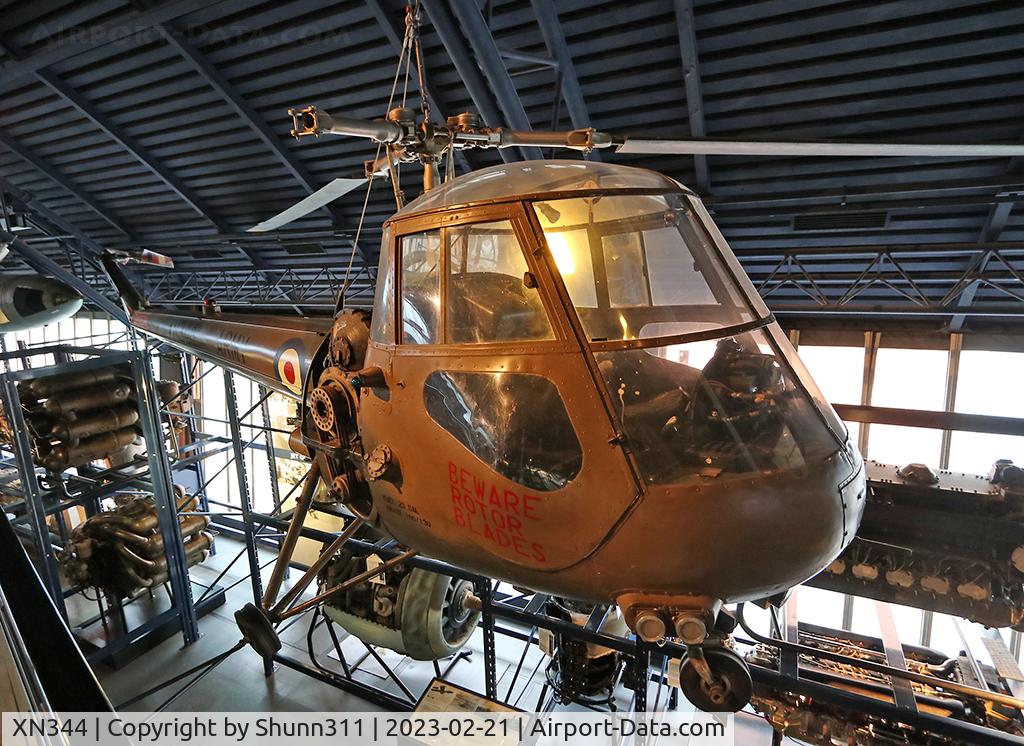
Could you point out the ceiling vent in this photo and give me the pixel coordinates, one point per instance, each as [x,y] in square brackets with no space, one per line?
[303,249]
[839,221]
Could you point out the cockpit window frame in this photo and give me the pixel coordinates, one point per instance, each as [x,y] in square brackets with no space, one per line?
[520,212]
[761,316]
[562,314]
[515,214]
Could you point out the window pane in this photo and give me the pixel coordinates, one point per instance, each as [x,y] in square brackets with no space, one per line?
[421,288]
[488,300]
[699,409]
[839,373]
[975,453]
[577,271]
[908,379]
[673,283]
[821,607]
[632,260]
[624,264]
[383,308]
[533,445]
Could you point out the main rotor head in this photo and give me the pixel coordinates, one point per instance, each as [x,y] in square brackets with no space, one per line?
[424,141]
[410,140]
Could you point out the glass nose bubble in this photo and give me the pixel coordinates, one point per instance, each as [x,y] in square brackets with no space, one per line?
[718,406]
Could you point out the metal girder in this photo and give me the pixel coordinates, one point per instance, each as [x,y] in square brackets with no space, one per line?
[489,59]
[932,419]
[861,250]
[62,226]
[447,29]
[977,265]
[75,41]
[134,149]
[216,80]
[91,112]
[63,181]
[554,38]
[830,207]
[46,266]
[893,310]
[833,191]
[309,288]
[691,79]
[57,225]
[219,82]
[996,221]
[854,285]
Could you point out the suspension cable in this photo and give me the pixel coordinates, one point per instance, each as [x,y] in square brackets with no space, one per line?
[421,69]
[403,57]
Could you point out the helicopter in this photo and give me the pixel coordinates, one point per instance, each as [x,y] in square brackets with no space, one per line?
[566,382]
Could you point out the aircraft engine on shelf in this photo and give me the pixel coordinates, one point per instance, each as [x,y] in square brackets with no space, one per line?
[121,551]
[5,426]
[85,416]
[76,418]
[939,540]
[817,721]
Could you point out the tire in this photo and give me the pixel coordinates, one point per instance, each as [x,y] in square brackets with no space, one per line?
[433,620]
[734,690]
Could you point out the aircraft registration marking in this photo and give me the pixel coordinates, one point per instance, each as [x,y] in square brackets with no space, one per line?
[231,347]
[496,514]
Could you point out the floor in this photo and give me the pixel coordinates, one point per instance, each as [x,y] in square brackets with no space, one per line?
[239,684]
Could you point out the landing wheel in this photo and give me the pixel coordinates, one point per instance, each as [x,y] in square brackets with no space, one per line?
[731,688]
[436,620]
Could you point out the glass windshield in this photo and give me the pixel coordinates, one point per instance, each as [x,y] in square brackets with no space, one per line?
[381,327]
[722,406]
[633,261]
[487,296]
[421,288]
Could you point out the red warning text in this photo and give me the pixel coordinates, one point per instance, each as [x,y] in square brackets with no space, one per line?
[494,513]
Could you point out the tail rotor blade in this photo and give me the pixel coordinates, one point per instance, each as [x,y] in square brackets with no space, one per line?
[319,198]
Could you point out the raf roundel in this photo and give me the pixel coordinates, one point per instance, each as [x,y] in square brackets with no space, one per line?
[288,364]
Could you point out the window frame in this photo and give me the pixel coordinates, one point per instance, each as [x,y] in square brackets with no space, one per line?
[399,282]
[733,274]
[529,245]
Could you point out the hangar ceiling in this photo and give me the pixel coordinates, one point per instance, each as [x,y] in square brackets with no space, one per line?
[164,126]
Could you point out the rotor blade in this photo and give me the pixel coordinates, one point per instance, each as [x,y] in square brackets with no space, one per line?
[143,256]
[319,198]
[725,147]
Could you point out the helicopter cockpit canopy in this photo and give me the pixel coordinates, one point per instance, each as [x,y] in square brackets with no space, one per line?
[699,377]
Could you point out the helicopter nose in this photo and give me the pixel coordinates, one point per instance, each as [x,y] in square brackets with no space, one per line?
[741,538]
